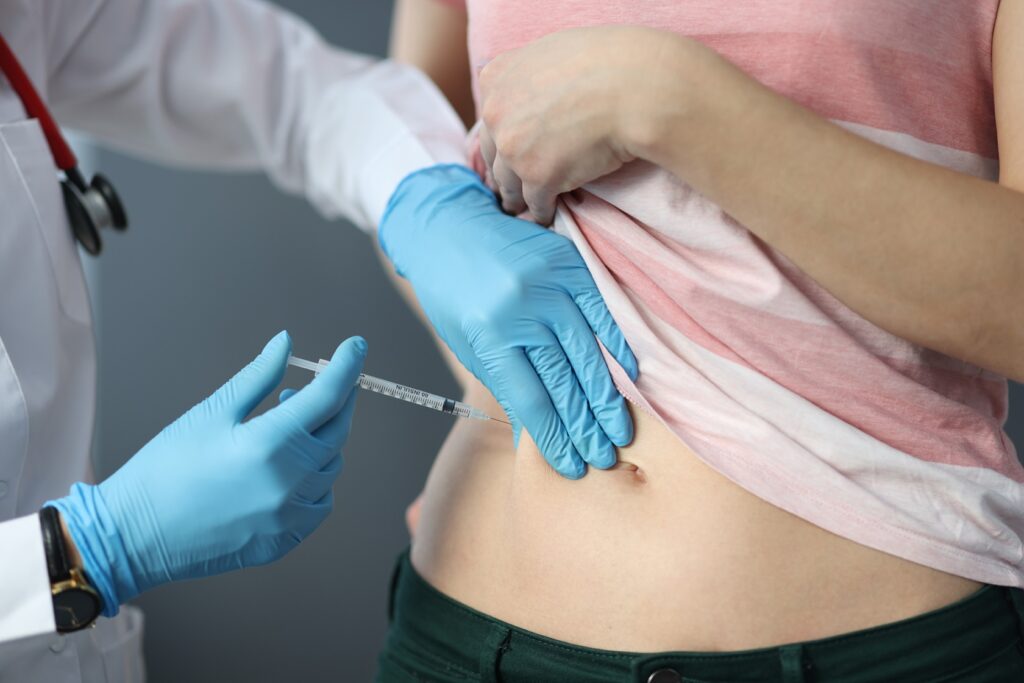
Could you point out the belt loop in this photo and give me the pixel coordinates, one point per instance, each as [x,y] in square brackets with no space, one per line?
[494,647]
[792,660]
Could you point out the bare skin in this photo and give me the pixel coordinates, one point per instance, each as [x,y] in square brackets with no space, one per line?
[660,553]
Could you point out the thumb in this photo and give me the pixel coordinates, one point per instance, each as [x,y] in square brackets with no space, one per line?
[255,381]
[324,397]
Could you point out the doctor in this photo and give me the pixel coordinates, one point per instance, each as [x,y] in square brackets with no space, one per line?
[233,84]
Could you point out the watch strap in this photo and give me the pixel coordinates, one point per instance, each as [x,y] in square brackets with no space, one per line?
[58,565]
[76,604]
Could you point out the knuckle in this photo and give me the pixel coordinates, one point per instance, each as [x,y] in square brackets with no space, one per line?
[490,112]
[513,294]
[509,141]
[265,454]
[474,321]
[508,293]
[532,170]
[489,74]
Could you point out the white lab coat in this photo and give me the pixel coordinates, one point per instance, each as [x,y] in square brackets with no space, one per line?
[227,84]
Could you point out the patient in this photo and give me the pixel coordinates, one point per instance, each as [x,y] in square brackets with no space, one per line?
[677,548]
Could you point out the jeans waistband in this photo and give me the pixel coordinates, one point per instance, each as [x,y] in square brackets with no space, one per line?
[921,648]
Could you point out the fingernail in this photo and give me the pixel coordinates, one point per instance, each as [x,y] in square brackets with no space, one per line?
[360,344]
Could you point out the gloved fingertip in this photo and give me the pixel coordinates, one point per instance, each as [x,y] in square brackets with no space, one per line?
[573,471]
[274,355]
[570,465]
[622,440]
[347,361]
[279,339]
[352,349]
[359,344]
[285,395]
[605,457]
[621,433]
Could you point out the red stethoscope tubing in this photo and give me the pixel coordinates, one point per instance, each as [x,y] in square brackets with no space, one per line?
[36,108]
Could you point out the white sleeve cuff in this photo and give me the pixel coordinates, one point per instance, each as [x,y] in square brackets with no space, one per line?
[369,133]
[26,607]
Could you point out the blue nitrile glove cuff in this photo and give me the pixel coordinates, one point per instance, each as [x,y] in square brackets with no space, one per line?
[104,558]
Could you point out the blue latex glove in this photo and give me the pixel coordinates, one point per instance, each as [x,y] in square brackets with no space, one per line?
[518,307]
[212,493]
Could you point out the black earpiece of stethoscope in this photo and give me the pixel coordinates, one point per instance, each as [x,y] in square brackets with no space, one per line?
[90,208]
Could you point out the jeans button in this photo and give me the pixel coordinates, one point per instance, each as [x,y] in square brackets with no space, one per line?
[665,676]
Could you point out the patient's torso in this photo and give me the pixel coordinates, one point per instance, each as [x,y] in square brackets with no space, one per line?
[754,366]
[794,441]
[670,556]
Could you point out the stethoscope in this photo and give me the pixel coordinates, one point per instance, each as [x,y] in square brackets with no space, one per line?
[89,207]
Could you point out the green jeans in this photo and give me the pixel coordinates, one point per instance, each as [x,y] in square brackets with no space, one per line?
[434,638]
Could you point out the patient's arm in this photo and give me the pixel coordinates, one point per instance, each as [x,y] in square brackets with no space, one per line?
[431,36]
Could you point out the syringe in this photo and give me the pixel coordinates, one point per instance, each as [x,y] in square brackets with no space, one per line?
[404,393]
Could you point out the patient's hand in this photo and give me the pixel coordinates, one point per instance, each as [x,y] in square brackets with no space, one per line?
[560,111]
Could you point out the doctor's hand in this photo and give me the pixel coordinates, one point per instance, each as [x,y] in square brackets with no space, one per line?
[212,493]
[518,307]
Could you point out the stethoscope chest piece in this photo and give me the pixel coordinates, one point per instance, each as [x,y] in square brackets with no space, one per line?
[92,208]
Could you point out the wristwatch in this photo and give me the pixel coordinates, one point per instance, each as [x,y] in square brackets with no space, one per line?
[76,604]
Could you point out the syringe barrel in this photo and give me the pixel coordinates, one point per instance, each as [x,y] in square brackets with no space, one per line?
[402,392]
[460,409]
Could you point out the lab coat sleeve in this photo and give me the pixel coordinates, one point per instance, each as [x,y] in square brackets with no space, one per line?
[241,84]
[26,608]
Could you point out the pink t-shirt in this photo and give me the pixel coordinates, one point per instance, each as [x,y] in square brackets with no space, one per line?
[753,365]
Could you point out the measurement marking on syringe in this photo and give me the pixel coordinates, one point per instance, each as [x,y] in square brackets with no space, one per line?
[404,393]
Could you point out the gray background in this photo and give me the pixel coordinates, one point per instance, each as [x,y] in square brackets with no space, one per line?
[213,266]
